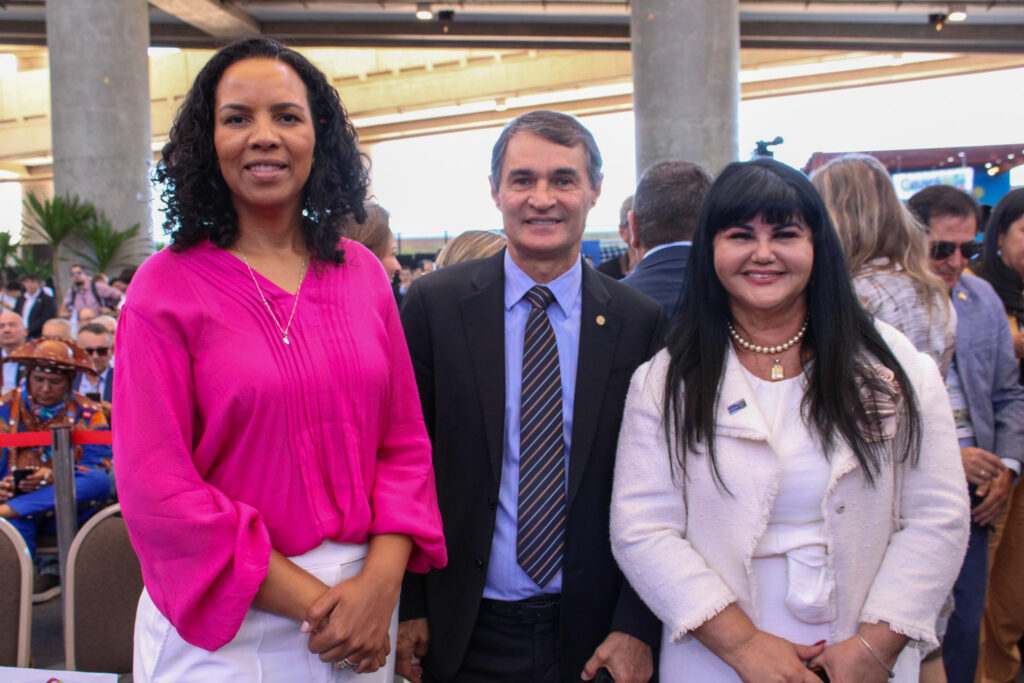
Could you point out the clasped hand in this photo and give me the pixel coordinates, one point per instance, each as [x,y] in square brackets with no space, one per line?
[849,661]
[6,488]
[351,620]
[994,482]
[767,658]
[31,483]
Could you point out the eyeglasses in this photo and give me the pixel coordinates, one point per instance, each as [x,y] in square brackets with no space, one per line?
[941,250]
[76,272]
[97,351]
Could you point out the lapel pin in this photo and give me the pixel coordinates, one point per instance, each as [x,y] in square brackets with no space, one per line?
[737,406]
[962,296]
[600,320]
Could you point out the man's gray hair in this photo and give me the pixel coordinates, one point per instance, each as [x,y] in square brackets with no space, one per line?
[553,126]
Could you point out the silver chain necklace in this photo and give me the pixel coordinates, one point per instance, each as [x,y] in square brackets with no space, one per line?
[295,302]
[777,370]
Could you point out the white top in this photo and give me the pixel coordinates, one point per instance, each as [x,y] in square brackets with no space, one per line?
[796,523]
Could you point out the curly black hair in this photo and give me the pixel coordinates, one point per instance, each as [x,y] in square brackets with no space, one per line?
[198,199]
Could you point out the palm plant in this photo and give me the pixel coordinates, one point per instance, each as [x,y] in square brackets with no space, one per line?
[28,265]
[104,242]
[54,221]
[8,249]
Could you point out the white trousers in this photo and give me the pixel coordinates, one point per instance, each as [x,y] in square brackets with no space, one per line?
[268,648]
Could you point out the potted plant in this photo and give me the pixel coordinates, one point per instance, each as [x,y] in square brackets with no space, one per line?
[104,242]
[53,221]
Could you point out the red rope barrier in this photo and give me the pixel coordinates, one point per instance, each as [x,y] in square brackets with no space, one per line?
[23,439]
[78,436]
[99,438]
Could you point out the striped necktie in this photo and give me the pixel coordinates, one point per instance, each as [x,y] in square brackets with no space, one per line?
[541,532]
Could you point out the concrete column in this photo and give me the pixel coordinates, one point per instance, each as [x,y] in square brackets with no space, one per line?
[99,98]
[686,93]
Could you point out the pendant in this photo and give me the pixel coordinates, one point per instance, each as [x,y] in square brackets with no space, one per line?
[285,338]
[777,371]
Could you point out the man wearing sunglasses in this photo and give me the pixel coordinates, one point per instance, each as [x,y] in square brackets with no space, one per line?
[97,341]
[987,402]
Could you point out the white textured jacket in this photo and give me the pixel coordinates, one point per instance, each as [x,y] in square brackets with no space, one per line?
[894,548]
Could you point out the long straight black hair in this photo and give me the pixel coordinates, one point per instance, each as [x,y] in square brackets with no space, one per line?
[841,337]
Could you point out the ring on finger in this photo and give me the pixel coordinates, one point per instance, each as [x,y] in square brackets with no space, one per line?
[984,473]
[345,664]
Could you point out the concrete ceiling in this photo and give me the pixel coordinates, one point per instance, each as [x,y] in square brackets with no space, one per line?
[493,59]
[991,25]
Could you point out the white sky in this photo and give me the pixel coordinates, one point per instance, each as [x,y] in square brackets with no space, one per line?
[439,183]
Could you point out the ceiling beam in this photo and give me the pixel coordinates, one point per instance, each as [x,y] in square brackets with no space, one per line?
[922,37]
[526,33]
[219,19]
[877,36]
[23,33]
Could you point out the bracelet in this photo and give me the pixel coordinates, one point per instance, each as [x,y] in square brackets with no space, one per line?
[874,654]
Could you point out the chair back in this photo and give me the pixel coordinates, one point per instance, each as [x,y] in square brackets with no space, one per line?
[16,576]
[101,593]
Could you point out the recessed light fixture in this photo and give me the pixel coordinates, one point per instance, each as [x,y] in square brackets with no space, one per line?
[957,12]
[423,11]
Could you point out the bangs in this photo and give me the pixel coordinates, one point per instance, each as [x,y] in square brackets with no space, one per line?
[756,191]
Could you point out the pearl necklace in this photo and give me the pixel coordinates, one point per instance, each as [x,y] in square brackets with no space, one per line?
[295,302]
[777,370]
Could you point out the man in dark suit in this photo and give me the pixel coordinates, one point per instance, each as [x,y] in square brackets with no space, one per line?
[12,337]
[35,306]
[523,361]
[96,340]
[666,207]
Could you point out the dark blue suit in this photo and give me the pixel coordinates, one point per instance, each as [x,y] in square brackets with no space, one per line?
[108,386]
[660,276]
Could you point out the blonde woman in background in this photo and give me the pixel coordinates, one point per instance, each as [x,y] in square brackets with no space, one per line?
[375,234]
[470,245]
[887,254]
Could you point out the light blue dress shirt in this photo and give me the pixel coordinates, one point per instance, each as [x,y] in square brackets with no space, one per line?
[506,580]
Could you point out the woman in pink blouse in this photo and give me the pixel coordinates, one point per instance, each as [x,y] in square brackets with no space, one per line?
[271,458]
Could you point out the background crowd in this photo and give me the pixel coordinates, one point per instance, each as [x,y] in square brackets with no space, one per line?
[778,438]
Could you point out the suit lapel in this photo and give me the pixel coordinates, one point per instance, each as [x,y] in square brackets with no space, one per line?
[108,386]
[483,321]
[963,314]
[593,365]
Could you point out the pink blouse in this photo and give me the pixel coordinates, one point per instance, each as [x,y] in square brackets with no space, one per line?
[229,442]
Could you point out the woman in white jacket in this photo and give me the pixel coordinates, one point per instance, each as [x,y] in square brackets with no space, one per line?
[789,497]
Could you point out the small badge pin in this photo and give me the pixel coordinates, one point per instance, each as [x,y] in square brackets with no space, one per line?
[962,296]
[737,406]
[600,320]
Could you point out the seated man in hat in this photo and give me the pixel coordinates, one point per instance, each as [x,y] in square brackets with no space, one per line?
[45,402]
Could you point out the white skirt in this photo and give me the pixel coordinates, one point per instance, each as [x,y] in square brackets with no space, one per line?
[267,648]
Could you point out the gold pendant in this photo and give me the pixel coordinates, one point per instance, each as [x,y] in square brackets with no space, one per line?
[777,371]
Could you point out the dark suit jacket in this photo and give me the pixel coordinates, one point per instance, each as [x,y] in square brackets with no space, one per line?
[108,388]
[44,309]
[454,323]
[660,276]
